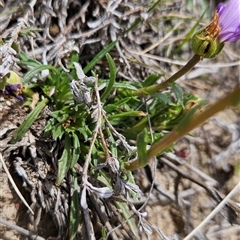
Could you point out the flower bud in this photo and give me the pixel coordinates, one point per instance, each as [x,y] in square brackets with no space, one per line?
[206,46]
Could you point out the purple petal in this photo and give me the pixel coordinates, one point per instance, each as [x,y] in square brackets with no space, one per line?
[220,8]
[229,21]
[13,87]
[5,92]
[19,97]
[12,90]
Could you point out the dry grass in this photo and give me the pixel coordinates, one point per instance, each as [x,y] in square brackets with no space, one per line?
[179,189]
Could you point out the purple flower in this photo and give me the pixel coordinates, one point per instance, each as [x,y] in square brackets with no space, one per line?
[229,21]
[14,90]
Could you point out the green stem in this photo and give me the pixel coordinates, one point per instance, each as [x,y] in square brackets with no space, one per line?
[155,88]
[231,99]
[28,91]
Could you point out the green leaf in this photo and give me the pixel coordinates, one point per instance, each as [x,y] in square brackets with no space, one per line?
[189,115]
[19,132]
[104,233]
[142,141]
[60,115]
[154,5]
[76,150]
[25,60]
[151,79]
[29,75]
[128,216]
[124,85]
[51,123]
[57,131]
[74,57]
[113,145]
[163,97]
[134,25]
[30,31]
[115,106]
[104,179]
[64,161]
[84,132]
[178,92]
[74,209]
[113,72]
[127,114]
[99,56]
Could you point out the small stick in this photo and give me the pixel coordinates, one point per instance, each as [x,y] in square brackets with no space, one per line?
[21,230]
[214,212]
[14,185]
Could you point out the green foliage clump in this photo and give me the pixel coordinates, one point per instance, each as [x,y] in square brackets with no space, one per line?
[102,125]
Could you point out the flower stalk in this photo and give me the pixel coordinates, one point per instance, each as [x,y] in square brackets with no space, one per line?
[207,43]
[231,99]
[155,88]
